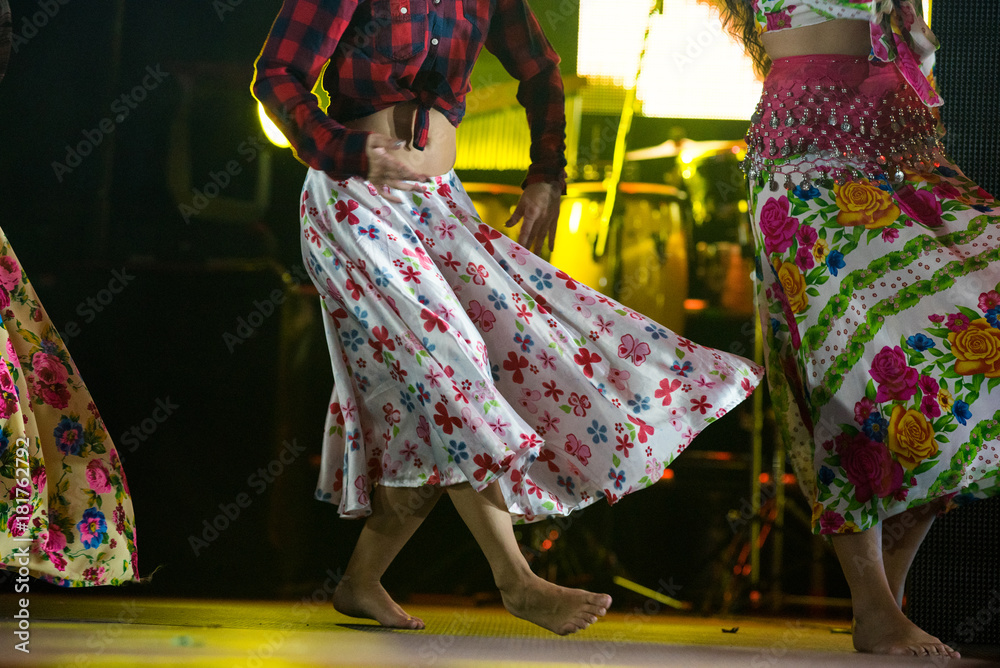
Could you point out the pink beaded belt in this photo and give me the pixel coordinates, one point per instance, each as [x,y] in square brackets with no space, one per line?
[832,119]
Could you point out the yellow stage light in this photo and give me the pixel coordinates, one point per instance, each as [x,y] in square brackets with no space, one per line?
[611,39]
[692,68]
[270,129]
[575,214]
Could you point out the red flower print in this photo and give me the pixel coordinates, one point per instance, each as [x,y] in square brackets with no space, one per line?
[353,288]
[570,283]
[445,420]
[515,363]
[449,261]
[397,372]
[481,315]
[444,189]
[344,210]
[552,391]
[550,423]
[580,404]
[486,465]
[747,386]
[630,349]
[312,236]
[686,344]
[338,481]
[421,256]
[666,389]
[585,358]
[410,274]
[433,320]
[335,410]
[701,404]
[478,273]
[548,457]
[337,316]
[382,340]
[361,485]
[579,450]
[645,431]
[486,235]
[624,445]
[542,304]
[529,441]
[391,414]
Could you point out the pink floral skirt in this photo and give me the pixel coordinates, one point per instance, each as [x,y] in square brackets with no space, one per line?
[64,501]
[879,295]
[459,356]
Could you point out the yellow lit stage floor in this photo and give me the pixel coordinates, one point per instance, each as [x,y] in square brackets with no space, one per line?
[85,631]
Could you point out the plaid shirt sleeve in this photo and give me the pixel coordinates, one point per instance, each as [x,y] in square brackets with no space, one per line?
[301,41]
[517,40]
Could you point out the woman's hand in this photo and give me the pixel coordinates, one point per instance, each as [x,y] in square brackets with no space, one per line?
[385,171]
[539,209]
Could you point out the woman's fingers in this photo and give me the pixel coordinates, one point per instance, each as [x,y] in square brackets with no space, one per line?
[386,193]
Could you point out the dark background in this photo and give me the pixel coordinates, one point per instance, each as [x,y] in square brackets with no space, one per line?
[162,337]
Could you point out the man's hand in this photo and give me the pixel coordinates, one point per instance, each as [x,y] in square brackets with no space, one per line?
[385,171]
[539,209]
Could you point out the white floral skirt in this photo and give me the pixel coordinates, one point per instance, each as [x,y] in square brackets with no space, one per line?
[459,356]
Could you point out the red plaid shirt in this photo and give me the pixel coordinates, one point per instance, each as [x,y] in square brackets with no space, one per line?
[382,52]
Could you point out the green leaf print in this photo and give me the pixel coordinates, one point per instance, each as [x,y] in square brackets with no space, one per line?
[972,315]
[870,391]
[679,353]
[565,409]
[417,201]
[615,460]
[990,386]
[520,327]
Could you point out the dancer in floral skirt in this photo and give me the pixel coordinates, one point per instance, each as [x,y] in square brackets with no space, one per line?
[461,361]
[64,502]
[878,288]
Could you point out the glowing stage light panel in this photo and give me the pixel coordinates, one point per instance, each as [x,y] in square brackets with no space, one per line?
[693,68]
[611,39]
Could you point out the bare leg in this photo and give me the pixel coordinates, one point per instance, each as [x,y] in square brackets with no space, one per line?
[901,537]
[396,514]
[525,595]
[880,626]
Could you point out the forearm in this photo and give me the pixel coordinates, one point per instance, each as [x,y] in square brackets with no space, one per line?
[544,101]
[303,38]
[317,140]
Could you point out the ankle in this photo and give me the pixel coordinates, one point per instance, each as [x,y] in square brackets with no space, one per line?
[359,580]
[515,580]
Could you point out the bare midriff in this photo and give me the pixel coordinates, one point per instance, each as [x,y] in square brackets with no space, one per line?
[438,156]
[847,37]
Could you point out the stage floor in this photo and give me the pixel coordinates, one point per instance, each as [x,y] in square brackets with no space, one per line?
[84,631]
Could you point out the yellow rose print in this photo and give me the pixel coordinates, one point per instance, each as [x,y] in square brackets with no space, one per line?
[794,284]
[861,203]
[977,349]
[911,437]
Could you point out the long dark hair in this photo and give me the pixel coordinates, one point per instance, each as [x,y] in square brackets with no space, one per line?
[738,19]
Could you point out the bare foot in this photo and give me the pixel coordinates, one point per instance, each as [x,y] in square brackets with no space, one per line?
[552,607]
[369,600]
[895,634]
